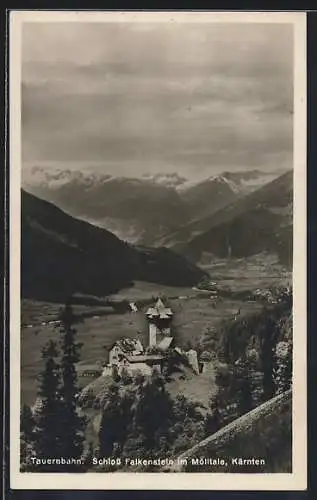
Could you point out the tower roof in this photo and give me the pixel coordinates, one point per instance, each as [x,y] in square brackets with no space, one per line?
[159,305]
[159,310]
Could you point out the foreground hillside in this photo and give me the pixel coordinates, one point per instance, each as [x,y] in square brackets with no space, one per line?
[271,421]
[261,221]
[62,255]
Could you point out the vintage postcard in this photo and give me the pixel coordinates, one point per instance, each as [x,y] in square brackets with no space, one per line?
[157,250]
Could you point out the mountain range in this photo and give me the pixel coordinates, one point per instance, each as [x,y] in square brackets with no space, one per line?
[62,255]
[145,210]
[260,221]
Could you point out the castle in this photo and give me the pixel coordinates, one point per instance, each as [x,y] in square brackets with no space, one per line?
[129,354]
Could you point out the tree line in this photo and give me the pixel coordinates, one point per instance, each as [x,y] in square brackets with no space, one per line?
[55,428]
[259,353]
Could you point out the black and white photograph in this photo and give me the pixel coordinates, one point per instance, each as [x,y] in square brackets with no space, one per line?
[157,239]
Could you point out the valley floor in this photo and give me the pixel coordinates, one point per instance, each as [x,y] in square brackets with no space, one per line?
[194,316]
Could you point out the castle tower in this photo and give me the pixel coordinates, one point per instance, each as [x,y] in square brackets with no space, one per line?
[160,319]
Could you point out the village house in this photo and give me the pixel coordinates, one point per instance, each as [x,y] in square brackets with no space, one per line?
[123,357]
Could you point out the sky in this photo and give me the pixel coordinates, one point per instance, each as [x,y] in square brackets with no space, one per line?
[139,98]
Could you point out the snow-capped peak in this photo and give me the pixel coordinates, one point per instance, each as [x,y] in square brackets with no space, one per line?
[172,179]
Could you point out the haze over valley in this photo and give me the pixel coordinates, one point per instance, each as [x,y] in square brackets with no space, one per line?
[144,210]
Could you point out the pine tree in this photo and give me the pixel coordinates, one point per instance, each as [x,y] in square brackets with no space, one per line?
[47,433]
[213,421]
[153,411]
[245,399]
[126,417]
[110,431]
[71,423]
[244,386]
[225,400]
[27,425]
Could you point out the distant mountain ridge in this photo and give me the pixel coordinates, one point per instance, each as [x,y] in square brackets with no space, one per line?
[209,196]
[136,210]
[62,255]
[141,210]
[172,180]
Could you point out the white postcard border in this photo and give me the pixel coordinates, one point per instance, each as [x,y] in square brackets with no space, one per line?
[297,480]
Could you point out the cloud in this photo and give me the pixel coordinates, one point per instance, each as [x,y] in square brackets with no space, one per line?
[158,96]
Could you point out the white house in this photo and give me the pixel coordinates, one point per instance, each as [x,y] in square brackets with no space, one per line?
[128,354]
[123,347]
